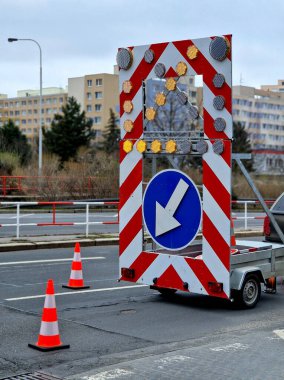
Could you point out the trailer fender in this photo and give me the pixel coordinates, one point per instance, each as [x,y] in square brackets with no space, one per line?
[239,274]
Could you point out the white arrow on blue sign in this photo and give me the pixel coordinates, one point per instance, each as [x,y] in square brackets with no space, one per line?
[172,209]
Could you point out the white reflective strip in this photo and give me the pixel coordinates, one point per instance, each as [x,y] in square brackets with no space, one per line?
[187,275]
[208,97]
[216,215]
[219,167]
[49,328]
[131,253]
[156,269]
[216,266]
[77,256]
[76,275]
[138,54]
[222,67]
[129,162]
[130,207]
[170,58]
[49,302]
[137,108]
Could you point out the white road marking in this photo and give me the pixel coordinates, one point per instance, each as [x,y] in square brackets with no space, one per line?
[231,347]
[112,374]
[59,283]
[169,360]
[21,216]
[48,261]
[77,292]
[279,333]
[7,284]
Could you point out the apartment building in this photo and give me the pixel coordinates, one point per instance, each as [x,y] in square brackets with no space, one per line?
[261,111]
[24,109]
[97,94]
[279,87]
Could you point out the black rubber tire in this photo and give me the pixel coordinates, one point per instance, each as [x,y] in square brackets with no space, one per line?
[249,294]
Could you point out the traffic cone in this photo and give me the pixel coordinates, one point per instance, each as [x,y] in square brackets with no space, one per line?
[49,338]
[76,277]
[233,238]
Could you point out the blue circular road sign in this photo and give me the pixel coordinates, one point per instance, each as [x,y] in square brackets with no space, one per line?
[172,209]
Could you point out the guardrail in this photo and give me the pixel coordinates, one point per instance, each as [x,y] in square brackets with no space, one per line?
[246,217]
[87,206]
[54,222]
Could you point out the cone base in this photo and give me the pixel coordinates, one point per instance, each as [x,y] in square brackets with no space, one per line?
[46,349]
[76,287]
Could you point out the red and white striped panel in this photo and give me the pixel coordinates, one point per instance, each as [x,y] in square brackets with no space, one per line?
[172,270]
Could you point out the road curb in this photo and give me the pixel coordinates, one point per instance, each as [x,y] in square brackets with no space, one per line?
[84,242]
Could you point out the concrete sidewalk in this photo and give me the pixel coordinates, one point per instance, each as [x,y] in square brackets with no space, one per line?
[63,241]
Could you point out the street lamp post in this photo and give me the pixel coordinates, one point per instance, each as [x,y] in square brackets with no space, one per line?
[40,101]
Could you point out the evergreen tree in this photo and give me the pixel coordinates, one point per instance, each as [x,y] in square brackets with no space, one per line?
[12,140]
[111,134]
[241,144]
[69,131]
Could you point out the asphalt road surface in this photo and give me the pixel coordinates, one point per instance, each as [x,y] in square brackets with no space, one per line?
[29,217]
[113,322]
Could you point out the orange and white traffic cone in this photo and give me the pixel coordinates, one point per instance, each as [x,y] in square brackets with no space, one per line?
[233,238]
[49,338]
[76,277]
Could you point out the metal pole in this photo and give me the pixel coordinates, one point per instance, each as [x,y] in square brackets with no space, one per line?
[87,219]
[40,118]
[40,100]
[18,221]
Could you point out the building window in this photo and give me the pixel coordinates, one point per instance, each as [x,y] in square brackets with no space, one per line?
[17,113]
[89,82]
[99,82]
[97,120]
[24,121]
[60,100]
[89,96]
[30,121]
[35,130]
[89,108]
[30,112]
[24,113]
[24,103]
[35,101]
[98,95]
[35,121]
[11,113]
[98,107]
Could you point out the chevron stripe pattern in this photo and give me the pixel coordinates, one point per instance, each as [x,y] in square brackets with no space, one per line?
[212,61]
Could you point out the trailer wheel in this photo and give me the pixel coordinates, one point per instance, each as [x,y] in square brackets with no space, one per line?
[250,292]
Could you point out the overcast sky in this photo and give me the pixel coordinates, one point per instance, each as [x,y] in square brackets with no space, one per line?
[81,37]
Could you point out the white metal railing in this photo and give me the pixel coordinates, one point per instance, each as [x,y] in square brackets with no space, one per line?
[87,222]
[246,218]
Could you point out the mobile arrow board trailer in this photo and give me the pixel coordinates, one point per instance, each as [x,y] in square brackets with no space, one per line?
[170,208]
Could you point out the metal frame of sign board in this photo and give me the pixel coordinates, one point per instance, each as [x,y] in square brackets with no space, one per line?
[211,58]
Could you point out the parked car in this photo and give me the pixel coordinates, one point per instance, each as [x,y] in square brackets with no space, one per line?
[277,210]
